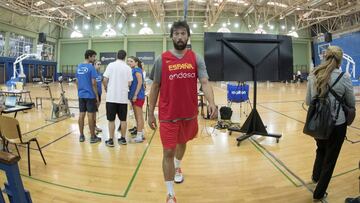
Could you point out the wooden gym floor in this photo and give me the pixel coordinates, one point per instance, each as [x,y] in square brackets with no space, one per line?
[215,169]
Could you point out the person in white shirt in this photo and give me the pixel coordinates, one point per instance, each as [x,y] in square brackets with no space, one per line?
[117,79]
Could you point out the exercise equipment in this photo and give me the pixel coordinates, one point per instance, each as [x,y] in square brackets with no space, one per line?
[60,108]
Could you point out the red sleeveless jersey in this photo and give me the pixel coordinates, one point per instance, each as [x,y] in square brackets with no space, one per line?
[178,87]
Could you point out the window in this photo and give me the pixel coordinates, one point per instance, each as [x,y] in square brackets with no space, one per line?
[2,44]
[19,45]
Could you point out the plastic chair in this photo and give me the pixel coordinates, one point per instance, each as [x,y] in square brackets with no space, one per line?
[10,130]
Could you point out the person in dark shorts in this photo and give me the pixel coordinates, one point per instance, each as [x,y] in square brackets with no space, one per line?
[88,95]
[99,77]
[117,79]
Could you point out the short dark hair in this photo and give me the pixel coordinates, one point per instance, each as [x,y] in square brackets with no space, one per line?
[178,24]
[89,53]
[121,54]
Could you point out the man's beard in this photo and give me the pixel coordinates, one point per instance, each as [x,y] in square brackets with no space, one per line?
[180,46]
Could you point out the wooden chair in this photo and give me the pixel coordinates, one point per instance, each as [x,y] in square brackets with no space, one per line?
[10,130]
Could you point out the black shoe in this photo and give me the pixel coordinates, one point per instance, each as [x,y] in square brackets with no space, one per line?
[352,200]
[82,138]
[95,139]
[109,143]
[134,132]
[132,129]
[122,140]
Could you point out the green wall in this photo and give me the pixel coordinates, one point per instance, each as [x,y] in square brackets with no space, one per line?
[72,50]
[72,53]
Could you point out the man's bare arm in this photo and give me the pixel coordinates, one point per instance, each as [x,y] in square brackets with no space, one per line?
[154,93]
[209,95]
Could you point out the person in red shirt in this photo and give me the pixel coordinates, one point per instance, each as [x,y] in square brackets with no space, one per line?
[175,75]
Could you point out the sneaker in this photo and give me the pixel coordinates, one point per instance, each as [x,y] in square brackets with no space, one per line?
[179,178]
[132,129]
[170,199]
[139,138]
[82,138]
[122,140]
[134,132]
[95,139]
[98,130]
[109,143]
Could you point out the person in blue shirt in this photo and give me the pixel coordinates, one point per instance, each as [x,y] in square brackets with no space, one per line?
[88,94]
[137,96]
[99,80]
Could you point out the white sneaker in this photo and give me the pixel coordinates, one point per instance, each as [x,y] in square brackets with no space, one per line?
[138,138]
[179,178]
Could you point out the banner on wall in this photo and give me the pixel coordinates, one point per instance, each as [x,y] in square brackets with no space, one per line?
[107,57]
[351,57]
[148,58]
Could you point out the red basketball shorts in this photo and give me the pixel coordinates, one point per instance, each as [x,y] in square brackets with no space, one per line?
[179,132]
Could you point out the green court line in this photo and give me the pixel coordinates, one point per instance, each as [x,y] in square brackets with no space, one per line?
[272,162]
[346,172]
[139,164]
[72,188]
[101,193]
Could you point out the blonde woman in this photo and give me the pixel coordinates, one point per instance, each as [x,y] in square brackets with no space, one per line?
[328,151]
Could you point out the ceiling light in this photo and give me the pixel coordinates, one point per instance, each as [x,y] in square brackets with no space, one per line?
[249,26]
[271,27]
[272,3]
[39,3]
[194,25]
[212,24]
[283,27]
[98,26]
[224,24]
[134,14]
[120,25]
[95,3]
[145,24]
[7,4]
[329,3]
[141,21]
[293,34]
[261,26]
[293,28]
[169,25]
[205,25]
[86,26]
[133,25]
[108,26]
[72,8]
[110,15]
[76,27]
[228,22]
[246,4]
[236,14]
[236,25]
[297,8]
[88,17]
[158,24]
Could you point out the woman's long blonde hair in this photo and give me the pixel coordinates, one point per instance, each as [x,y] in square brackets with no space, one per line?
[333,56]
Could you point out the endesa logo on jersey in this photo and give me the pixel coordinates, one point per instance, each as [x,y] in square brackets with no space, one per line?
[181,66]
[181,76]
